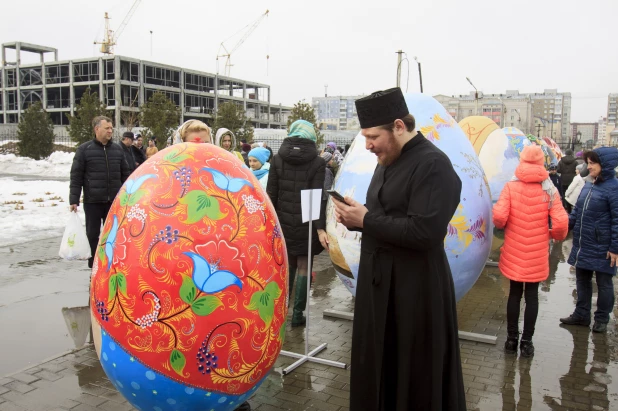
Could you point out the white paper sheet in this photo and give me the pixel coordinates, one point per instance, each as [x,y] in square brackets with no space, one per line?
[311,199]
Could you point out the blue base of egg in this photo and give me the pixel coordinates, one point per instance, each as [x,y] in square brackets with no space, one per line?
[147,390]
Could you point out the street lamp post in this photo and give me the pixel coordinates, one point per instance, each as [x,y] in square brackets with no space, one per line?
[420,74]
[476,95]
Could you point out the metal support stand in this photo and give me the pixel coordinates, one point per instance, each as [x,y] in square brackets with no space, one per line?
[490,263]
[309,356]
[463,335]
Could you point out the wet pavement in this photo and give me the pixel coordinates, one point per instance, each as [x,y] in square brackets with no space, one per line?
[573,369]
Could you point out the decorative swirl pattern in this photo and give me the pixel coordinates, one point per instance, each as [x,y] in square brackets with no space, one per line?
[191,271]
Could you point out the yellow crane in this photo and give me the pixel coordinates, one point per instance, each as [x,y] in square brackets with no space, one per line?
[223,50]
[110,36]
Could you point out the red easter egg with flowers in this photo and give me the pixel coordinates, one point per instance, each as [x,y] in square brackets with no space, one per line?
[191,261]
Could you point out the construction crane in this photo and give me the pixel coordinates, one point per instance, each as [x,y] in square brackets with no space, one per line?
[223,50]
[110,37]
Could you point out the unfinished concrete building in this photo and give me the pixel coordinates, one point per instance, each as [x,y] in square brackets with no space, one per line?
[124,84]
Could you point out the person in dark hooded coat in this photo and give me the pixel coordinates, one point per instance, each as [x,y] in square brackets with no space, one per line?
[297,167]
[566,169]
[594,221]
[405,347]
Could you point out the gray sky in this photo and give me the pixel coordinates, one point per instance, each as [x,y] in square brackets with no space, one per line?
[527,45]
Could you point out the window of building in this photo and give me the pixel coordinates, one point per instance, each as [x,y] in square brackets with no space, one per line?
[199,104]
[11,78]
[11,100]
[174,97]
[86,71]
[12,118]
[199,83]
[161,76]
[30,76]
[109,69]
[29,97]
[129,96]
[110,92]
[57,74]
[58,97]
[129,71]
[59,118]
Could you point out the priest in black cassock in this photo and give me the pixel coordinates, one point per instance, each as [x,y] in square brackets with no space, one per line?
[405,349]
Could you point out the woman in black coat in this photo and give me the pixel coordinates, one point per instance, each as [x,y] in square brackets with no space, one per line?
[297,167]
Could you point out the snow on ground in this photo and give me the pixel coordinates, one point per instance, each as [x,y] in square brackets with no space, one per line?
[56,165]
[39,218]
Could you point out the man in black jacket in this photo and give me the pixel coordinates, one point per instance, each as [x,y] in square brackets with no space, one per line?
[99,166]
[132,154]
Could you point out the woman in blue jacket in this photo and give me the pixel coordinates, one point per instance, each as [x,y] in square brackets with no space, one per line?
[594,221]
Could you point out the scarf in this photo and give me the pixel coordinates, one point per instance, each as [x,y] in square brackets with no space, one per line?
[260,173]
[548,186]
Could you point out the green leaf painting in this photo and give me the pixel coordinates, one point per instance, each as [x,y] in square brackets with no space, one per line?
[178,361]
[264,302]
[206,305]
[121,280]
[135,197]
[124,198]
[200,205]
[188,290]
[113,287]
[175,157]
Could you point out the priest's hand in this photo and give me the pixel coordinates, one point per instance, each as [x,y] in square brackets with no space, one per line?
[350,215]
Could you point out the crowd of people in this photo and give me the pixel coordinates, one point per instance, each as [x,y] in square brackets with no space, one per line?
[405,308]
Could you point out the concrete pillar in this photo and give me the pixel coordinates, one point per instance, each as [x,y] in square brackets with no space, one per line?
[44,79]
[182,96]
[18,53]
[3,56]
[101,76]
[117,92]
[141,99]
[71,91]
[216,95]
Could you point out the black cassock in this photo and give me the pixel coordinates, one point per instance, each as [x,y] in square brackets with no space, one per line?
[405,349]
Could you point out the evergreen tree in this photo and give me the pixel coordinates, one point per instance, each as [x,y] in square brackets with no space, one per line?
[230,116]
[89,107]
[35,133]
[160,117]
[304,111]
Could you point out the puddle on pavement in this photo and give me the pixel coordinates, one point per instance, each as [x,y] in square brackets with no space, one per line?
[572,368]
[27,264]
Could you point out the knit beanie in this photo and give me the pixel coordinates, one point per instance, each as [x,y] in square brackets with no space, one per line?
[246,147]
[260,154]
[327,156]
[332,145]
[583,170]
[303,129]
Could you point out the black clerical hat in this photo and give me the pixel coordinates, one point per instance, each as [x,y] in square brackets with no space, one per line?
[381,108]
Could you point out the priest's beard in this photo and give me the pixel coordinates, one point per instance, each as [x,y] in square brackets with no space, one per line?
[390,152]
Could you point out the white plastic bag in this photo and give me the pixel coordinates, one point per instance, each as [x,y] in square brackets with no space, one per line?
[75,245]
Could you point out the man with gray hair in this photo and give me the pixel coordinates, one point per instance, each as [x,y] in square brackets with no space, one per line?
[99,167]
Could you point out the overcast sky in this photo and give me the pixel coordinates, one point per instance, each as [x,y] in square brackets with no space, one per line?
[527,45]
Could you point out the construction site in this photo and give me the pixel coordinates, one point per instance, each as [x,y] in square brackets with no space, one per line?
[124,84]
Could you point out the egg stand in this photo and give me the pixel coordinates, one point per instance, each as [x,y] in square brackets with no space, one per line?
[310,355]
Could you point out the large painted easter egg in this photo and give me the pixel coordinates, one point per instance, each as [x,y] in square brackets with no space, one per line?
[468,240]
[497,152]
[189,284]
[548,152]
[554,147]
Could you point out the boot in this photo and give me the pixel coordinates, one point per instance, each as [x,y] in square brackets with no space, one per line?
[510,346]
[245,406]
[571,320]
[300,301]
[527,349]
[599,327]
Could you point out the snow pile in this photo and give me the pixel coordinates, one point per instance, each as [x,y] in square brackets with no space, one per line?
[27,210]
[58,164]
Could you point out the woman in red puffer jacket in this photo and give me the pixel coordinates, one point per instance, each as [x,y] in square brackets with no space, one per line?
[523,210]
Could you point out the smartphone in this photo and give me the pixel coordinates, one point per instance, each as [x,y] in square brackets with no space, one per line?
[337,196]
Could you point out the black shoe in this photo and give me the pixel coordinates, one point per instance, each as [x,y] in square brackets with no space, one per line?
[527,349]
[570,320]
[244,407]
[599,327]
[510,346]
[297,322]
[90,262]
